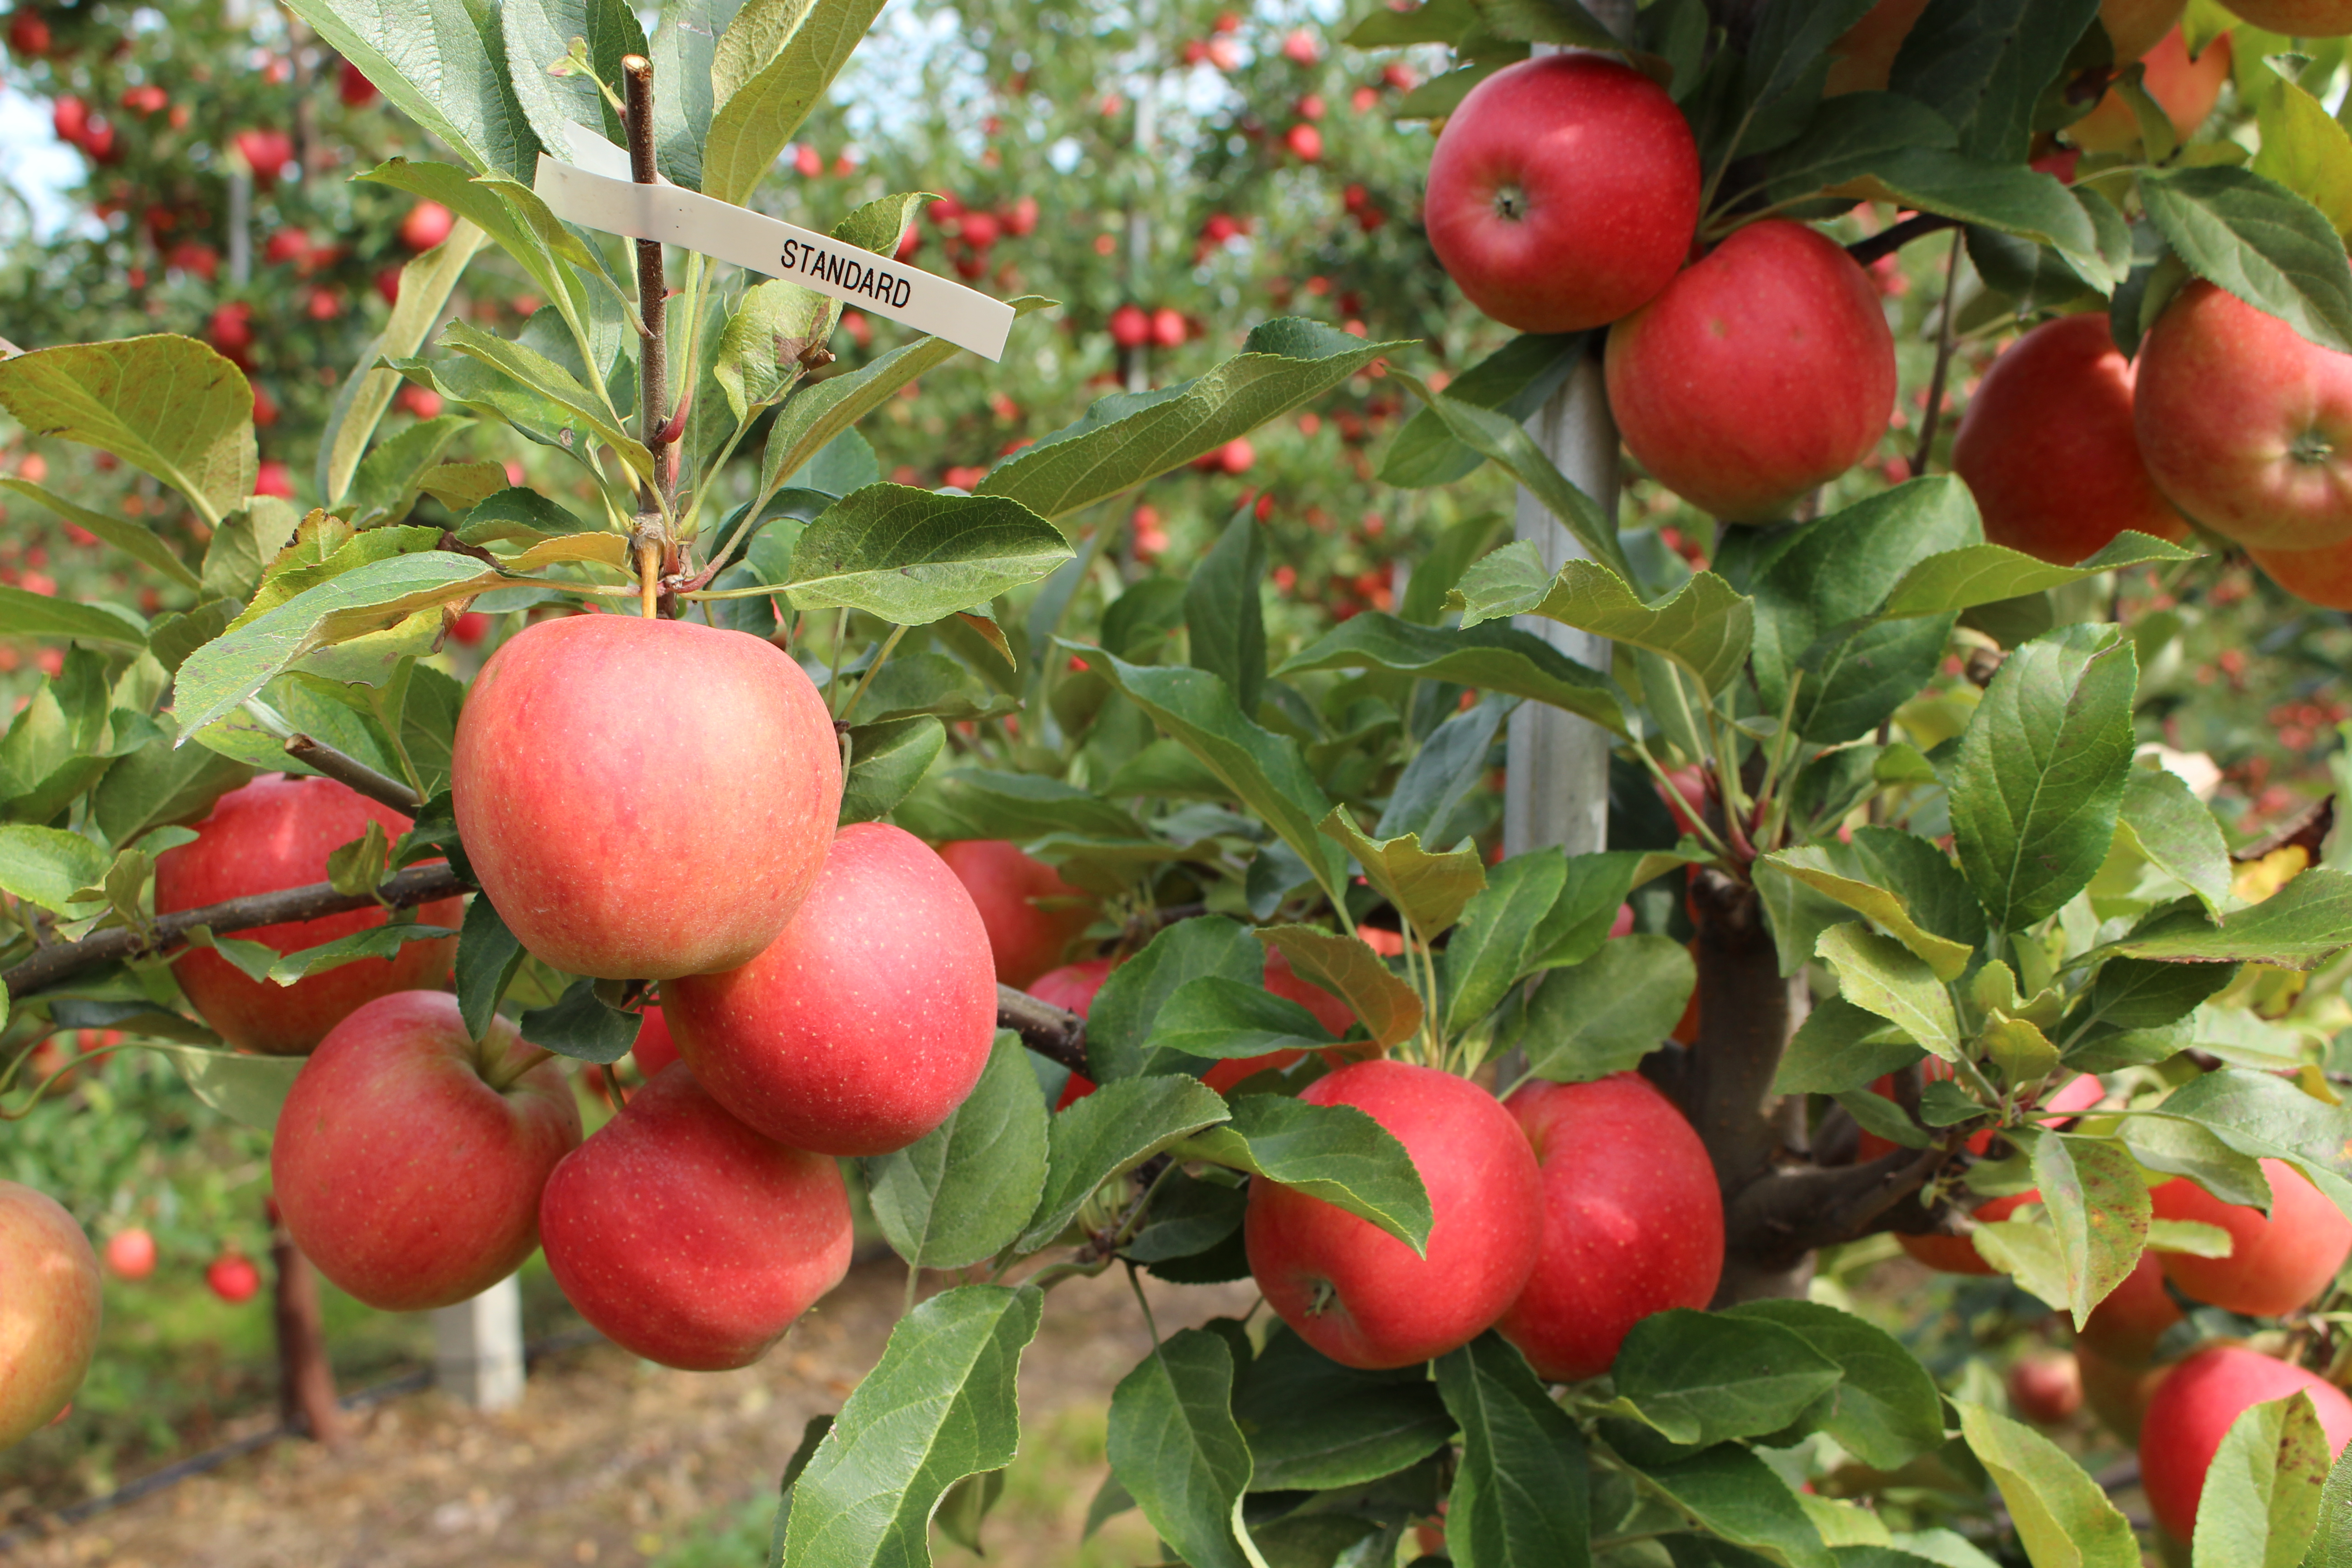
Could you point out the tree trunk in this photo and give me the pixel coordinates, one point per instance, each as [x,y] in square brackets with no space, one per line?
[305,1382]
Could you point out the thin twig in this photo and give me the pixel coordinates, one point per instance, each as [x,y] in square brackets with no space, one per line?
[49,965]
[345,769]
[1928,420]
[653,366]
[1052,1033]
[1888,241]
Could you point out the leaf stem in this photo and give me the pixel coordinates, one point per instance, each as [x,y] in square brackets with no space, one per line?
[871,671]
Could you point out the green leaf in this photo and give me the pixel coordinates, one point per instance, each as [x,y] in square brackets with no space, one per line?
[1492,657]
[1128,1006]
[160,783]
[1317,1425]
[1841,1046]
[554,383]
[770,69]
[1349,969]
[23,614]
[2098,1206]
[1702,1378]
[375,597]
[581,1026]
[1606,1013]
[2061,1517]
[2177,834]
[1427,889]
[1266,770]
[1334,1152]
[1494,941]
[2305,149]
[759,355]
[1962,579]
[1174,1445]
[2041,771]
[1519,1495]
[2187,1148]
[2130,994]
[251,1089]
[139,542]
[489,955]
[1111,1131]
[425,283]
[1503,440]
[2331,1544]
[2270,1117]
[886,761]
[2259,241]
[2298,927]
[1880,976]
[1735,1494]
[168,405]
[1219,1018]
[1514,381]
[1812,865]
[2262,1498]
[964,1191]
[942,1404]
[1129,437]
[910,556]
[1223,621]
[538,33]
[1453,762]
[1983,65]
[1816,605]
[1705,625]
[1189,1214]
[46,866]
[441,63]
[1886,1410]
[379,942]
[684,48]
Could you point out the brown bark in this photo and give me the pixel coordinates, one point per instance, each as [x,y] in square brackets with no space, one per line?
[306,1380]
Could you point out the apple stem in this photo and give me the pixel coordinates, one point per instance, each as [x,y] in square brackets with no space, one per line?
[502,1065]
[1933,416]
[653,357]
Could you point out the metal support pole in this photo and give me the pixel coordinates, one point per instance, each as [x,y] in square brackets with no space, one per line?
[477,1348]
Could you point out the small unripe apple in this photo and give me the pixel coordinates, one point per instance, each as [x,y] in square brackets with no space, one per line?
[427,224]
[401,1074]
[233,1277]
[2275,1264]
[688,1238]
[1522,173]
[272,834]
[1360,1295]
[2191,1413]
[131,1254]
[868,1020]
[2046,1387]
[2047,450]
[629,839]
[1130,327]
[1764,369]
[2246,424]
[1632,1221]
[49,1309]
[1032,915]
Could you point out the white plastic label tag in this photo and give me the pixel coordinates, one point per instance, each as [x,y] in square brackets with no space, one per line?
[595,191]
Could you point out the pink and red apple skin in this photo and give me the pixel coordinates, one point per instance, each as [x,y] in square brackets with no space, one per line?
[867,1022]
[272,834]
[1764,369]
[2275,1264]
[50,1303]
[1026,937]
[2191,1413]
[1632,1221]
[1360,1295]
[645,799]
[405,1170]
[686,1237]
[2245,424]
[2048,451]
[1563,193]
[654,1047]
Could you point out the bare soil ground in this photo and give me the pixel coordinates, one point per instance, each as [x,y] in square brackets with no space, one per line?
[613,1460]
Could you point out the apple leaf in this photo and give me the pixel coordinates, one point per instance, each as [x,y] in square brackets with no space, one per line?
[1881,976]
[1445,772]
[168,405]
[488,955]
[1335,1153]
[910,556]
[1973,574]
[2298,927]
[1841,1047]
[2062,1518]
[139,542]
[1224,618]
[2331,1543]
[161,783]
[771,67]
[1519,1497]
[758,360]
[1514,381]
[1174,1445]
[1704,627]
[538,33]
[1429,889]
[959,1194]
[1128,1007]
[943,1403]
[244,1087]
[2263,1499]
[1702,1377]
[1129,437]
[2098,1208]
[46,866]
[2177,834]
[581,1026]
[1490,656]
[1605,1014]
[2305,149]
[1217,1016]
[2041,771]
[1495,938]
[425,284]
[1317,1425]
[685,45]
[1115,1128]
[547,379]
[2271,1117]
[1349,969]
[1731,1493]
[376,941]
[1886,1410]
[442,64]
[1983,65]
[1813,865]
[2259,241]
[886,761]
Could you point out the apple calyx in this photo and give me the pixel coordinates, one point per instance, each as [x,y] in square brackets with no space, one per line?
[1325,1294]
[1511,204]
[2311,449]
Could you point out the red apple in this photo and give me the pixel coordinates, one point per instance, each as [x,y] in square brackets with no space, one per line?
[1130,327]
[233,1277]
[1306,143]
[131,1254]
[2184,89]
[469,629]
[1027,937]
[48,1311]
[69,117]
[656,1047]
[2046,1388]
[353,88]
[427,224]
[1299,47]
[686,1237]
[978,231]
[274,477]
[1167,328]
[2322,576]
[2246,425]
[265,153]
[419,402]
[1763,370]
[867,1022]
[2298,18]
[2048,451]
[643,799]
[1563,193]
[2275,1264]
[2191,1413]
[2126,1324]
[1360,1295]
[399,1232]
[1072,988]
[1632,1221]
[276,832]
[28,40]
